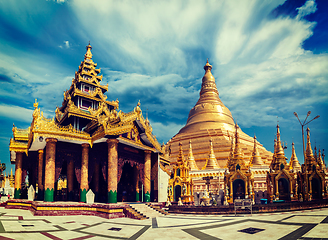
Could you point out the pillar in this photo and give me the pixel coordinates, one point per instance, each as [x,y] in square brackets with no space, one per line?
[136,180]
[70,178]
[40,175]
[18,175]
[96,180]
[49,178]
[84,186]
[147,169]
[112,170]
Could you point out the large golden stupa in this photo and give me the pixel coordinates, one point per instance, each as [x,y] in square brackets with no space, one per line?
[211,121]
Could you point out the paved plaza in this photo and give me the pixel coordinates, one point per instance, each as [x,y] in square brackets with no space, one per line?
[308,224]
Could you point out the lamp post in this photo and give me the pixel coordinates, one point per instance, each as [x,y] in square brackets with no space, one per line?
[305,162]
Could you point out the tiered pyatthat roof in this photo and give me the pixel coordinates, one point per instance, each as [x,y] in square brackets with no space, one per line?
[85,94]
[279,161]
[310,160]
[237,162]
[294,163]
[86,117]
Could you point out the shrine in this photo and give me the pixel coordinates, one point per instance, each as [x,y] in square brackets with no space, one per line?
[181,185]
[89,144]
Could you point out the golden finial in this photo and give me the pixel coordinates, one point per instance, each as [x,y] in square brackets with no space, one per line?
[35,104]
[88,54]
[207,66]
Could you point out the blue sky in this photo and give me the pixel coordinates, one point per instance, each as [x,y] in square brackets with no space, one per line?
[269,58]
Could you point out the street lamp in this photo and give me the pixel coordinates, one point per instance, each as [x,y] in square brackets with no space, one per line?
[305,162]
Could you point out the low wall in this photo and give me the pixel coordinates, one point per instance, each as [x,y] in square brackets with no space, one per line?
[257,208]
[39,208]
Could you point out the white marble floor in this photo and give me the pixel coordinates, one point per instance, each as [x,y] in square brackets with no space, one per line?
[310,224]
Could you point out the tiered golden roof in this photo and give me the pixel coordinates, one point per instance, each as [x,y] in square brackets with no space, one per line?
[211,119]
[86,123]
[279,158]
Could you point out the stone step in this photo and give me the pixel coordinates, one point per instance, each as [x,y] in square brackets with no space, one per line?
[146,210]
[136,214]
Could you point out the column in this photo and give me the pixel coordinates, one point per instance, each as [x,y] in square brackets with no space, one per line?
[96,180]
[18,175]
[84,186]
[147,169]
[112,170]
[70,178]
[49,179]
[40,175]
[136,180]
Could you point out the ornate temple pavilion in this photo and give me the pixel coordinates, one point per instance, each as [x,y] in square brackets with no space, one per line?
[211,130]
[88,145]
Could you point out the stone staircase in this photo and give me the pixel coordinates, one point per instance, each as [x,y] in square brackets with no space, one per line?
[158,209]
[145,210]
[133,213]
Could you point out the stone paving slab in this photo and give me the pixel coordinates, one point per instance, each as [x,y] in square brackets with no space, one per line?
[308,224]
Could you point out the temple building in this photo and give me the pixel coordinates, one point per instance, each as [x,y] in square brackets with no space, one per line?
[211,130]
[89,144]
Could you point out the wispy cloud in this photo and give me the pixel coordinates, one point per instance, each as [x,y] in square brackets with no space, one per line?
[309,7]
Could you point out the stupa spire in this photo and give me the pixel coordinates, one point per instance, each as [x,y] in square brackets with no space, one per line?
[212,163]
[308,151]
[279,155]
[209,111]
[320,161]
[294,163]
[191,159]
[256,158]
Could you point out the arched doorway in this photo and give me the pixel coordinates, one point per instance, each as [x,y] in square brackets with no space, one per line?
[177,193]
[316,188]
[283,189]
[238,189]
[126,188]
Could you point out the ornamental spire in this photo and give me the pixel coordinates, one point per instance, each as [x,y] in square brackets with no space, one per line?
[294,163]
[212,162]
[320,161]
[256,158]
[308,151]
[88,54]
[191,159]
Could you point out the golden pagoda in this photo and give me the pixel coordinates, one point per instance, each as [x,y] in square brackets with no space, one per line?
[210,120]
[90,144]
[181,184]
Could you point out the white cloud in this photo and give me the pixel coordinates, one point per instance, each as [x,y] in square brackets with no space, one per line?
[16,113]
[309,7]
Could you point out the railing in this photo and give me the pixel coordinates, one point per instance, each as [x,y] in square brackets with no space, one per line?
[243,204]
